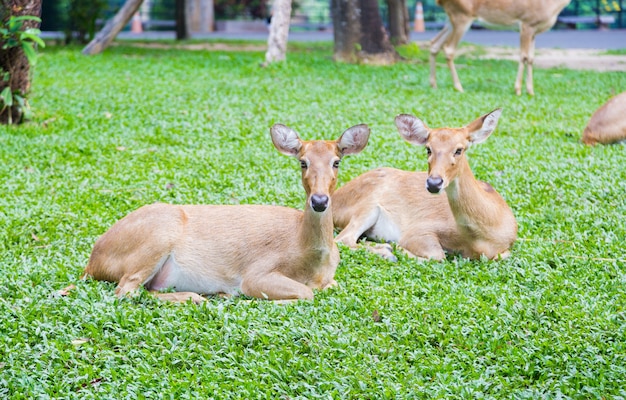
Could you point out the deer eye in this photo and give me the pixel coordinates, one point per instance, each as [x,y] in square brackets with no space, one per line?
[336,164]
[429,151]
[303,164]
[458,151]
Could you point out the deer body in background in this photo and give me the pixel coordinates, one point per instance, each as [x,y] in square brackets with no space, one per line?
[608,124]
[407,207]
[532,16]
[261,251]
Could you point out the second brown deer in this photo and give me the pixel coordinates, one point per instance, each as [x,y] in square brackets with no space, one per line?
[407,208]
[532,16]
[268,252]
[608,124]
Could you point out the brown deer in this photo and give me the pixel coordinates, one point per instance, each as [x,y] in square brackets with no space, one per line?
[608,124]
[406,207]
[532,16]
[263,251]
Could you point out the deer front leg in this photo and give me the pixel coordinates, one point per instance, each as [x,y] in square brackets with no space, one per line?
[527,50]
[180,297]
[360,222]
[275,286]
[130,282]
[518,79]
[435,48]
[459,26]
[455,77]
[423,247]
[531,59]
[358,225]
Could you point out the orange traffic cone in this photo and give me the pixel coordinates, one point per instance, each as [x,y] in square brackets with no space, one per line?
[135,24]
[419,18]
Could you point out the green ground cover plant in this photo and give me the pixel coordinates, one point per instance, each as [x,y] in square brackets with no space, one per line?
[134,126]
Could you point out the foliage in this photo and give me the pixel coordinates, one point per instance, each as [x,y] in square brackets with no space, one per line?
[183,126]
[231,9]
[592,7]
[14,35]
[163,9]
[82,17]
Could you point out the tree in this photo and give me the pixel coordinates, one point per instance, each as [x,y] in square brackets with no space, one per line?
[279,31]
[182,31]
[113,26]
[15,56]
[359,33]
[398,21]
[200,15]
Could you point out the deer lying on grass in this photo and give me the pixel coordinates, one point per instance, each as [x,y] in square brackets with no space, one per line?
[532,16]
[608,124]
[394,205]
[268,252]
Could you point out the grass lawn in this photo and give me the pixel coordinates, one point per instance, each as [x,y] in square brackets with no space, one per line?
[135,126]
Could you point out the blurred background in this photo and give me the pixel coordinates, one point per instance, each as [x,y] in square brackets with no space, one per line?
[78,20]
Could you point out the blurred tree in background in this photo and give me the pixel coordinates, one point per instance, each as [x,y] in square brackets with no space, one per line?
[19,29]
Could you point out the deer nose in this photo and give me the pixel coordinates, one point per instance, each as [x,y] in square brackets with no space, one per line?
[319,202]
[434,184]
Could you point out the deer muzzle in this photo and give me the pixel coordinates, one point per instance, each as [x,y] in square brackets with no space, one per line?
[319,202]
[434,184]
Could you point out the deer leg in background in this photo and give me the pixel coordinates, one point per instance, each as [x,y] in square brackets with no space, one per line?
[459,27]
[435,48]
[527,53]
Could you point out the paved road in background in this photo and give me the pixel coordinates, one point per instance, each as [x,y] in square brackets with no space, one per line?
[564,39]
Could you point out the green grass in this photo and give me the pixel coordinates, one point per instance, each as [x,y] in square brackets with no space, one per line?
[134,126]
[616,51]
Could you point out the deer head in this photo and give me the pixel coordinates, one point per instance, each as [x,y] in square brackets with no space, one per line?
[446,146]
[319,159]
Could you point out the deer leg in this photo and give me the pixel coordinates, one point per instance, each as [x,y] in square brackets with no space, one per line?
[526,60]
[140,272]
[179,297]
[131,282]
[531,59]
[435,48]
[358,225]
[275,286]
[423,247]
[459,27]
[518,79]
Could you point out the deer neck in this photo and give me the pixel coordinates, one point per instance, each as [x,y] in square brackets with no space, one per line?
[470,201]
[316,230]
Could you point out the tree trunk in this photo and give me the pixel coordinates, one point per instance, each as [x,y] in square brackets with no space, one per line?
[359,33]
[113,26]
[398,21]
[279,31]
[182,32]
[346,29]
[200,18]
[13,61]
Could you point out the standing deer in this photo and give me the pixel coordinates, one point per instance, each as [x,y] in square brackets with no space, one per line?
[608,124]
[268,252]
[532,16]
[406,207]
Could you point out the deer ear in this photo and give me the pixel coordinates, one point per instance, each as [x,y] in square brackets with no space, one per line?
[484,126]
[354,139]
[412,129]
[285,140]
